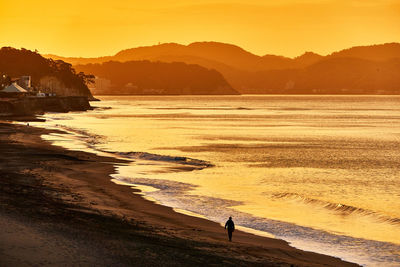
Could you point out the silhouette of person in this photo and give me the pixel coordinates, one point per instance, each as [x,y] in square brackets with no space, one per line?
[231,227]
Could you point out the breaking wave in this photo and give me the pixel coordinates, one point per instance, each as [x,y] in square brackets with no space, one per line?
[200,164]
[344,210]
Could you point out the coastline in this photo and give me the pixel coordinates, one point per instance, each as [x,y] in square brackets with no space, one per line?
[68,197]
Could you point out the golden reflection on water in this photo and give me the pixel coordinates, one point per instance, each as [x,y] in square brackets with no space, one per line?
[291,159]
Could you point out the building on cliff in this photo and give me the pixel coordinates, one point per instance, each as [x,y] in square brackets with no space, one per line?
[14,88]
[25,82]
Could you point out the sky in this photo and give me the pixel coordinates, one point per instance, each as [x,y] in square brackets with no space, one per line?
[281,27]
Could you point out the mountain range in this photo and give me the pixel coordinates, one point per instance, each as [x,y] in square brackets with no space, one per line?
[358,70]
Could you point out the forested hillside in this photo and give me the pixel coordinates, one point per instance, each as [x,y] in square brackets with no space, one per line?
[20,62]
[145,77]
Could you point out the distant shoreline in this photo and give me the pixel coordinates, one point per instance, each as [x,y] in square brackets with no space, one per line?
[61,199]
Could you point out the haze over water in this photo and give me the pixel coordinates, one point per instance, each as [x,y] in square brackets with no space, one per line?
[321,172]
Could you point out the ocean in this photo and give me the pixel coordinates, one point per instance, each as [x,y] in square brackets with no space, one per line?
[321,172]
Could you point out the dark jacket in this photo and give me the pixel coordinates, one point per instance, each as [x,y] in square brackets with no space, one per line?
[230,225]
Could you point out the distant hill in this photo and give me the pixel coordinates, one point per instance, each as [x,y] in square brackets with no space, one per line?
[380,52]
[346,71]
[331,76]
[20,62]
[308,58]
[145,77]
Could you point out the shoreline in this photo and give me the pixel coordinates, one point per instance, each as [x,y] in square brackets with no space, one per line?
[71,193]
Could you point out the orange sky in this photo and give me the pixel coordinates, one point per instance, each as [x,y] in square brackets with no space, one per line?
[286,27]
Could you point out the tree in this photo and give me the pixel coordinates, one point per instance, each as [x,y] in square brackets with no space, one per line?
[87,79]
[5,81]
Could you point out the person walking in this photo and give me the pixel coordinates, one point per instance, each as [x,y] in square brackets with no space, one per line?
[231,227]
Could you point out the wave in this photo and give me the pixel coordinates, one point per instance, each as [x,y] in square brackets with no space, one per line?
[92,140]
[199,164]
[344,210]
[179,195]
[89,138]
[202,108]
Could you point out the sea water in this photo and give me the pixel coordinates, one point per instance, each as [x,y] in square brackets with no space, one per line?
[322,172]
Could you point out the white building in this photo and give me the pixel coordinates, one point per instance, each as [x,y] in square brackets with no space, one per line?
[14,88]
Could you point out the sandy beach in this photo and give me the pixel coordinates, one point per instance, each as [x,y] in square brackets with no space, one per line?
[59,207]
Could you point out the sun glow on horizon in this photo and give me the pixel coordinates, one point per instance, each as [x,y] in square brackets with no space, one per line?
[289,27]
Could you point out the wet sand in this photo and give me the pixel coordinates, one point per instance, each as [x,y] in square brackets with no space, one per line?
[59,207]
